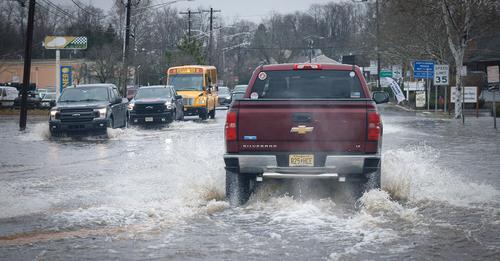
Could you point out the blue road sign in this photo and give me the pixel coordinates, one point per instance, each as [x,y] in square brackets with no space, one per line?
[423,70]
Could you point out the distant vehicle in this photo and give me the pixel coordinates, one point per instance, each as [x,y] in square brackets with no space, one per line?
[41,92]
[33,100]
[316,121]
[240,88]
[48,100]
[156,104]
[197,85]
[225,96]
[238,96]
[7,96]
[88,108]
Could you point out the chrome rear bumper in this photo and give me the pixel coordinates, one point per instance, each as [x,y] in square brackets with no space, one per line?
[334,166]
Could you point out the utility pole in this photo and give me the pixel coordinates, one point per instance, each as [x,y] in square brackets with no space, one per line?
[189,13]
[211,40]
[27,67]
[125,49]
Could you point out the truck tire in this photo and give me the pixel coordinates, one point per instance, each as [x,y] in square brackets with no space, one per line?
[237,188]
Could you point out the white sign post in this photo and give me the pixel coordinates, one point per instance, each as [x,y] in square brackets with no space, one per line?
[441,78]
[469,94]
[63,42]
[494,79]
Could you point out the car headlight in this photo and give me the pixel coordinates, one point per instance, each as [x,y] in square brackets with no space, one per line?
[101,113]
[54,114]
[168,105]
[131,106]
[201,101]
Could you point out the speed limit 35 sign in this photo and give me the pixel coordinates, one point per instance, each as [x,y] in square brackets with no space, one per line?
[441,74]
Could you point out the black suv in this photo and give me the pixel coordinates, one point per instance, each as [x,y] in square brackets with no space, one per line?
[156,104]
[88,108]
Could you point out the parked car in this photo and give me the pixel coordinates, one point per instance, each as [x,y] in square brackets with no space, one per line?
[156,104]
[7,96]
[225,96]
[48,100]
[33,100]
[240,88]
[88,108]
[315,121]
[238,95]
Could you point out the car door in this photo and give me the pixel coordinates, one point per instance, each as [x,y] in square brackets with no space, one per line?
[175,100]
[115,107]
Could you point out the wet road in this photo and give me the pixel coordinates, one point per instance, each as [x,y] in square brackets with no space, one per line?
[157,194]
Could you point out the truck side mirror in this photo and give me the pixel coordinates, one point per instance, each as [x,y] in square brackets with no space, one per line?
[380,97]
[178,97]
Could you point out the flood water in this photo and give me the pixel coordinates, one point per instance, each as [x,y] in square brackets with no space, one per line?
[158,194]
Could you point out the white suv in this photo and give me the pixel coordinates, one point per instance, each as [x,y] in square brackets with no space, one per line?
[7,96]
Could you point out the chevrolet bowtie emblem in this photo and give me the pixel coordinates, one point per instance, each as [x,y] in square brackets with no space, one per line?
[301,129]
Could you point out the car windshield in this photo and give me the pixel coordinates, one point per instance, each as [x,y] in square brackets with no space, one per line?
[84,94]
[223,90]
[309,84]
[186,82]
[152,93]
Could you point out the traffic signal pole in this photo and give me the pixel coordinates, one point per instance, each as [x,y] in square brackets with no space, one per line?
[27,67]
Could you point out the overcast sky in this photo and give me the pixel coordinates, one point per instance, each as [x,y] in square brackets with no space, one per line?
[253,10]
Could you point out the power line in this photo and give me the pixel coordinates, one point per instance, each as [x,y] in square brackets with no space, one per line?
[81,8]
[61,10]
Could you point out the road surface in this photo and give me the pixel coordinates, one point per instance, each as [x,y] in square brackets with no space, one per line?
[158,194]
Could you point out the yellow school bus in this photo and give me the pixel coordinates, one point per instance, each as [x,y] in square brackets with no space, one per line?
[197,84]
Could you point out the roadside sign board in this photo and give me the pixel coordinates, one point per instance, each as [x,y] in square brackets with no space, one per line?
[385,73]
[397,71]
[414,86]
[423,70]
[441,74]
[493,74]
[470,94]
[420,99]
[66,77]
[65,42]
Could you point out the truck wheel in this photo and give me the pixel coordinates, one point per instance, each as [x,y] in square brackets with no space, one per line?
[237,188]
[212,114]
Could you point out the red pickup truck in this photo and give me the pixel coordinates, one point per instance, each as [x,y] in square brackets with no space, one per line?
[302,121]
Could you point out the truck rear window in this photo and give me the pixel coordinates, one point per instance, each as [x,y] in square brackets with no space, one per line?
[308,84]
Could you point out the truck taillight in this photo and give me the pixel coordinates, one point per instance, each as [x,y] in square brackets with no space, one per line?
[231,126]
[307,66]
[374,126]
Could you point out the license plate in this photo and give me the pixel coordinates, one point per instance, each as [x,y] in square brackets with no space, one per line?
[306,160]
[148,119]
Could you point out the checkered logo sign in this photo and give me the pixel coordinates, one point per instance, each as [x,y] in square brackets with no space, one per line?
[65,42]
[79,42]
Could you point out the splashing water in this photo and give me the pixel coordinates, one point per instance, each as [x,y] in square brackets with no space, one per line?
[414,174]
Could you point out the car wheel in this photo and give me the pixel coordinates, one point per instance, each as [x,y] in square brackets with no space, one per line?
[237,188]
